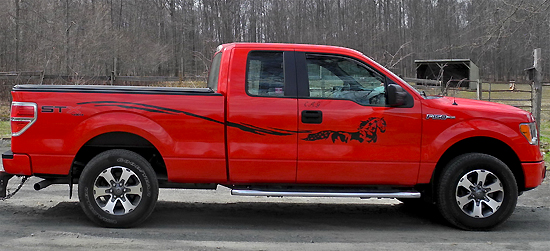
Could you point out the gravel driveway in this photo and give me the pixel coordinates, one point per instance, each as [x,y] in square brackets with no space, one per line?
[215,220]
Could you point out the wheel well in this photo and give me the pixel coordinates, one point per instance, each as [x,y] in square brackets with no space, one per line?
[119,140]
[485,145]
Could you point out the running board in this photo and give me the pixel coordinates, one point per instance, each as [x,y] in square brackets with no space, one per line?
[362,195]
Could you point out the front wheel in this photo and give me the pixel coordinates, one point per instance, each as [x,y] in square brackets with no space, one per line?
[118,188]
[476,192]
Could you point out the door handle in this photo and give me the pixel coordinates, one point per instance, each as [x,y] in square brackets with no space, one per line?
[312,117]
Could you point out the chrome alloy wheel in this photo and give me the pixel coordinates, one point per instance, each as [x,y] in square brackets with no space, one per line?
[479,193]
[117,190]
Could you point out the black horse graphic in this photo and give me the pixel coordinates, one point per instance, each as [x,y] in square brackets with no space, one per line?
[367,131]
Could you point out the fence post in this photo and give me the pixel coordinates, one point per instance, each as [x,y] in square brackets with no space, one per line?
[490,90]
[112,79]
[113,72]
[537,86]
[479,90]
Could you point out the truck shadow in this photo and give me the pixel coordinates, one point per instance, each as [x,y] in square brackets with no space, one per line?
[270,215]
[264,215]
[276,216]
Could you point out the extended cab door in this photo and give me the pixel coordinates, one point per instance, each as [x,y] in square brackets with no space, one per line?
[353,136]
[262,116]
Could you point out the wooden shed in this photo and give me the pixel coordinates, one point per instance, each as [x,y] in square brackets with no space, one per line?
[456,72]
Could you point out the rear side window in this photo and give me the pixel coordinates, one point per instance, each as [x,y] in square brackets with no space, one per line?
[265,74]
[214,72]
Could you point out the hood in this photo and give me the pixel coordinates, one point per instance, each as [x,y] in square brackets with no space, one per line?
[478,108]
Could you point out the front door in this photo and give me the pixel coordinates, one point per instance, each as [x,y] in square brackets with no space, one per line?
[352,136]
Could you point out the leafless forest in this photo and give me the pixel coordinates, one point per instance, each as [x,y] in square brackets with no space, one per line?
[178,37]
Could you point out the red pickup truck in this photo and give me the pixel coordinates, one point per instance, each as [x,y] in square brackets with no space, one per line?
[276,120]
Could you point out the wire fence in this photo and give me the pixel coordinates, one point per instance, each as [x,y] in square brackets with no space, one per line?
[9,79]
[518,94]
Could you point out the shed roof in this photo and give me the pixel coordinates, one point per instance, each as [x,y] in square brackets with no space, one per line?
[441,60]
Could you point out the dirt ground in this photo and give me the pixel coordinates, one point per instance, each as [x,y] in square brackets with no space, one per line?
[215,220]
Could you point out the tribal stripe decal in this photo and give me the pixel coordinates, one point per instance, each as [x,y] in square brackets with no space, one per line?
[367,130]
[163,110]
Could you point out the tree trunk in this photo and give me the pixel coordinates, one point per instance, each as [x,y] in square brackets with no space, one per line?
[17,35]
[68,27]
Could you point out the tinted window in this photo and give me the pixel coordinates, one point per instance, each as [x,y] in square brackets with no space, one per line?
[214,72]
[265,74]
[342,78]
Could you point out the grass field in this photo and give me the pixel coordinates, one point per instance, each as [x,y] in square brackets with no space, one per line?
[5,129]
[545,139]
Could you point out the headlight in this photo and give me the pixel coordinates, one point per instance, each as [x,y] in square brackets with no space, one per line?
[529,131]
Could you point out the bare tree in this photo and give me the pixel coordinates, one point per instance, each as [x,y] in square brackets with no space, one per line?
[171,37]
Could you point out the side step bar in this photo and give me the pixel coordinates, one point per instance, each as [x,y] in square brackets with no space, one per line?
[362,195]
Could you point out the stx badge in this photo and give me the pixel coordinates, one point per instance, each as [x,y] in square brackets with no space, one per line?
[439,116]
[72,110]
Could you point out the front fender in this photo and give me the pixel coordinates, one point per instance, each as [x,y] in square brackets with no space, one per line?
[435,142]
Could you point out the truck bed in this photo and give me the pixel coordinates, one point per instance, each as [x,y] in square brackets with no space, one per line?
[115,89]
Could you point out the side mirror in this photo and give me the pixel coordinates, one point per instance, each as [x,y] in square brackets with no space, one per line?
[396,95]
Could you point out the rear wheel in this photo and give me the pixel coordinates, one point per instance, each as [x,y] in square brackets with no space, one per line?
[476,192]
[118,188]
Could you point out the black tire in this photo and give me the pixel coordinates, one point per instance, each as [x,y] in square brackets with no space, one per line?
[118,188]
[476,192]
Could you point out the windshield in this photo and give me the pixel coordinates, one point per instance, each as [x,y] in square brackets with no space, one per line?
[393,74]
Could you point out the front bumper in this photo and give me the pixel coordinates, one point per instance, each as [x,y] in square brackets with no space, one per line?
[18,164]
[534,172]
